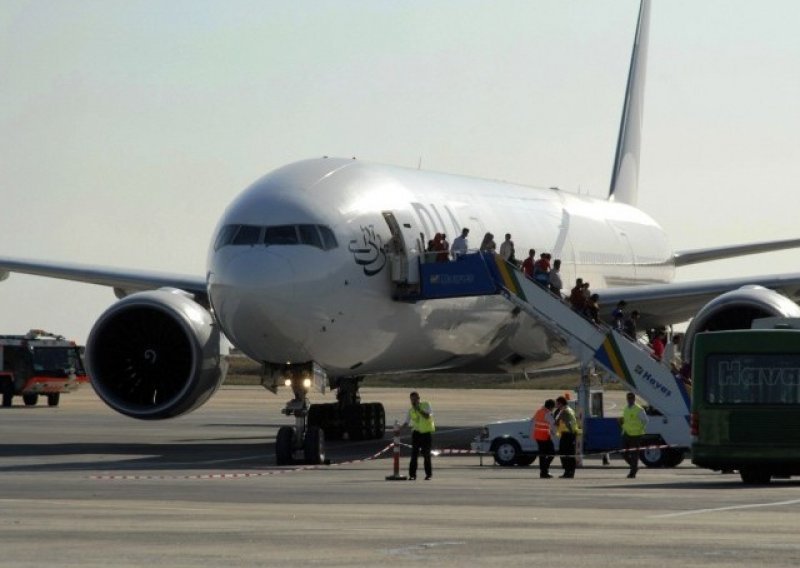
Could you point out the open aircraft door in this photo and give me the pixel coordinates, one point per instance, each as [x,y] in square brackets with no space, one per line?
[404,249]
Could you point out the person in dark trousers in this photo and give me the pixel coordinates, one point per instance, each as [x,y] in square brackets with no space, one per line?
[420,417]
[544,431]
[567,427]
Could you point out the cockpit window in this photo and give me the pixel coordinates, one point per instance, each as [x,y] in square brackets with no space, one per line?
[309,235]
[281,235]
[247,235]
[328,238]
[318,236]
[225,236]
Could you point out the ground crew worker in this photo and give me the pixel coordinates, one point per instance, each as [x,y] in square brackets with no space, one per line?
[567,428]
[420,417]
[634,423]
[544,432]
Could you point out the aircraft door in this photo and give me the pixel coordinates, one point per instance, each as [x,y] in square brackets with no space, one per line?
[403,249]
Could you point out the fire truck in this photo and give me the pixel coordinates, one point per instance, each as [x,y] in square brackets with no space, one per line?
[39,363]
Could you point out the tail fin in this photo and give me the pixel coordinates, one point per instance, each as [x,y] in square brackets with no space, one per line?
[625,176]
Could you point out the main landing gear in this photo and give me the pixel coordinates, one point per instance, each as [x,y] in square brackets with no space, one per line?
[347,418]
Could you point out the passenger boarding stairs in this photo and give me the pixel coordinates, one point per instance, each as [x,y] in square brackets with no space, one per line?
[479,274]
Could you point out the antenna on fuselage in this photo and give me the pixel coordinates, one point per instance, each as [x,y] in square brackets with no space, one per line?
[625,175]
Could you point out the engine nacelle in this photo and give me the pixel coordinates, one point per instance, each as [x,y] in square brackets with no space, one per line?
[155,355]
[736,310]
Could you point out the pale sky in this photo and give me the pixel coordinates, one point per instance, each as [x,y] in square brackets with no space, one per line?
[127,127]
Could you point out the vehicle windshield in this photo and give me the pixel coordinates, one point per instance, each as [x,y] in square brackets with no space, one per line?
[56,361]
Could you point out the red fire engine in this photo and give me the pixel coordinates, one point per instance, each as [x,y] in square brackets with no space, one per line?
[39,363]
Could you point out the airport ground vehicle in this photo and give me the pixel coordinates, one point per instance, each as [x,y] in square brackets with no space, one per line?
[39,363]
[746,400]
[510,442]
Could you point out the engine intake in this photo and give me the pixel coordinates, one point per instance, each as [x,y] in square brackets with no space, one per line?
[155,355]
[736,310]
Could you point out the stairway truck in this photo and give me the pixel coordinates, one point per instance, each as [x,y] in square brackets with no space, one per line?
[39,363]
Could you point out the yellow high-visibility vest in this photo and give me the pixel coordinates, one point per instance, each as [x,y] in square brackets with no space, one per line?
[419,422]
[631,424]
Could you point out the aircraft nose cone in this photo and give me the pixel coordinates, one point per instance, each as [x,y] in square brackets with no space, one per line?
[253,293]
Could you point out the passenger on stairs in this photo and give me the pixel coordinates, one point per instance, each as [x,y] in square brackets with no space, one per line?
[527,264]
[576,298]
[555,278]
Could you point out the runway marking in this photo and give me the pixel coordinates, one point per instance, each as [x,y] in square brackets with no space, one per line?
[731,508]
[94,505]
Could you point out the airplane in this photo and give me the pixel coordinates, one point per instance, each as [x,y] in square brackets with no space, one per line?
[304,268]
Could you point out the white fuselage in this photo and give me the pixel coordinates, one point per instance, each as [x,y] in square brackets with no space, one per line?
[294,303]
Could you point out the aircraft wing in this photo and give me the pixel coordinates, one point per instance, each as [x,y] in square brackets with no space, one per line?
[123,281]
[685,257]
[665,304]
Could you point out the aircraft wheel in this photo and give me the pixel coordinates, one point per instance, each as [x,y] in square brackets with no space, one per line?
[284,445]
[30,399]
[378,421]
[354,421]
[53,399]
[314,445]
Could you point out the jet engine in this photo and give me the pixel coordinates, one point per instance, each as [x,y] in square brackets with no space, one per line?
[155,355]
[736,310]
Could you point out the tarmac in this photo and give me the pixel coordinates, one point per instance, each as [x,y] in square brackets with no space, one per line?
[84,486]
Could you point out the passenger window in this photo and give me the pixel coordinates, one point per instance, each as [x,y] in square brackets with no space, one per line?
[309,235]
[328,238]
[225,236]
[281,235]
[247,235]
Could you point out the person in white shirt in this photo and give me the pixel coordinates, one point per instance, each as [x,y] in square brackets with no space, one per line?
[507,249]
[460,245]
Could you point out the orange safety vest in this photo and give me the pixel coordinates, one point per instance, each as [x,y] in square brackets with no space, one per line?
[541,428]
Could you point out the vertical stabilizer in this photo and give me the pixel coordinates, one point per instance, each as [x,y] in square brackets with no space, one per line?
[625,176]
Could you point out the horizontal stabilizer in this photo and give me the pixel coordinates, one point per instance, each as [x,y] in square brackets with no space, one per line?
[683,258]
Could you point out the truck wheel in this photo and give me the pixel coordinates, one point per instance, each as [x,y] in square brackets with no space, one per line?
[653,457]
[506,452]
[674,457]
[755,476]
[53,398]
[284,445]
[8,392]
[525,461]
[30,399]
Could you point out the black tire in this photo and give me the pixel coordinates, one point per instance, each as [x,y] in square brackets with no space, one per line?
[674,457]
[525,461]
[378,421]
[284,445]
[317,415]
[333,426]
[8,392]
[354,421]
[755,476]
[653,457]
[314,446]
[506,452]
[53,399]
[30,399]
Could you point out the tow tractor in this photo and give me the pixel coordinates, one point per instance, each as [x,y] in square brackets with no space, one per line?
[39,363]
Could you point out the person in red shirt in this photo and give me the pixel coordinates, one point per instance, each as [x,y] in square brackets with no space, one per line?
[527,264]
[658,344]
